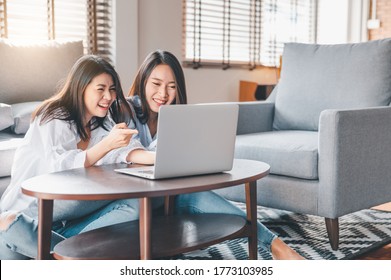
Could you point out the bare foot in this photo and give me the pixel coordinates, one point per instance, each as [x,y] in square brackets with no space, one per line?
[281,251]
[6,219]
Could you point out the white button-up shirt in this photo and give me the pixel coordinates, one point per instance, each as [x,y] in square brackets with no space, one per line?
[52,147]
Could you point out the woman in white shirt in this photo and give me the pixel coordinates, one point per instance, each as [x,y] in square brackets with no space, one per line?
[71,130]
[160,81]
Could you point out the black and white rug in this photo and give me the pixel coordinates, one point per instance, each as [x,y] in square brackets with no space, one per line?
[359,232]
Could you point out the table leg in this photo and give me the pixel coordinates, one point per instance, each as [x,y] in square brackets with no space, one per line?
[45,219]
[169,204]
[251,208]
[145,228]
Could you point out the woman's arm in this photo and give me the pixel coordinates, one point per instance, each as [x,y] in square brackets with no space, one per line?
[118,137]
[141,157]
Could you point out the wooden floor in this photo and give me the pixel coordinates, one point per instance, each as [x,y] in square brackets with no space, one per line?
[383,253]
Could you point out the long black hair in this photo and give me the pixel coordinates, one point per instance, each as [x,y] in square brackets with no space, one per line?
[68,103]
[138,87]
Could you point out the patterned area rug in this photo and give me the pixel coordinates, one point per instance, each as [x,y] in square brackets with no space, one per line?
[359,232]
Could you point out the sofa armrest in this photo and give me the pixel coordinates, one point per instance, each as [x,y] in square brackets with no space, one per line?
[354,160]
[255,117]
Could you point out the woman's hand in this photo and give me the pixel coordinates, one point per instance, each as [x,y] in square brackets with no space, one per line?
[119,136]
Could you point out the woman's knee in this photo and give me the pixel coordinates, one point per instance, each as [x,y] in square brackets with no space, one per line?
[6,219]
[20,234]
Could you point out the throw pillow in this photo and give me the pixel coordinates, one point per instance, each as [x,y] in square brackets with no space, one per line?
[22,116]
[6,119]
[30,72]
[319,77]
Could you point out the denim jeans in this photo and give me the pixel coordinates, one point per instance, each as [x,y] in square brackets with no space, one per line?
[19,241]
[210,202]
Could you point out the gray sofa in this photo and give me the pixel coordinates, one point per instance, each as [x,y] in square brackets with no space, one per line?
[325,131]
[28,75]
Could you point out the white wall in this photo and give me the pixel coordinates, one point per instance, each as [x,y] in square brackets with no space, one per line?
[143,26]
[125,38]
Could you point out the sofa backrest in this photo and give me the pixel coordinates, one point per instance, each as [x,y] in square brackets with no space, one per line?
[33,72]
[318,77]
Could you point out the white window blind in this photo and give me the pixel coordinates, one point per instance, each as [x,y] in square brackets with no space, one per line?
[103,28]
[285,21]
[38,20]
[71,19]
[27,20]
[244,32]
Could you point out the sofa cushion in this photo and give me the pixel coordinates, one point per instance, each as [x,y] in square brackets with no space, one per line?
[22,116]
[8,144]
[4,182]
[33,72]
[6,119]
[289,153]
[318,77]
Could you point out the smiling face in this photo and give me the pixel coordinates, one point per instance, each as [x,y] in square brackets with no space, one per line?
[160,88]
[99,94]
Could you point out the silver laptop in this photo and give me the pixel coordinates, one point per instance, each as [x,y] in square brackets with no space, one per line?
[192,140]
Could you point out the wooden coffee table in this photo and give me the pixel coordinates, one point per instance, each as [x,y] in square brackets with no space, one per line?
[167,235]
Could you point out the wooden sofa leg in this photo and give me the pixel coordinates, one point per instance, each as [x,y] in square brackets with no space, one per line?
[332,227]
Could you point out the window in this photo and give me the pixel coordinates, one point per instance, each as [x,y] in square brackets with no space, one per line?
[244,32]
[37,20]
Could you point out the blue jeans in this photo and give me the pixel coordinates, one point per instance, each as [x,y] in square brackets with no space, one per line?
[19,241]
[210,202]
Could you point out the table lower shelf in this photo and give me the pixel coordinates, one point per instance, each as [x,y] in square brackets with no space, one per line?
[171,235]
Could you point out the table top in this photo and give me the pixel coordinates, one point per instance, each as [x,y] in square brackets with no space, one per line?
[102,182]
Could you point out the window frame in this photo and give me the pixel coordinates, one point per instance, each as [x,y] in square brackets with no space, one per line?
[98,29]
[195,60]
